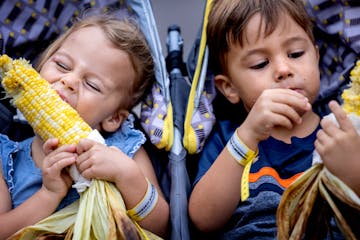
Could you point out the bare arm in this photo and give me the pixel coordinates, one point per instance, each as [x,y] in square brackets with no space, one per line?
[30,212]
[40,205]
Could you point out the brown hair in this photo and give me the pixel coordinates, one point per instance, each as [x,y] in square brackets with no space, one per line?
[125,35]
[228,19]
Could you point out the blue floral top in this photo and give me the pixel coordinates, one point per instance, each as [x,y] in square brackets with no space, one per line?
[24,178]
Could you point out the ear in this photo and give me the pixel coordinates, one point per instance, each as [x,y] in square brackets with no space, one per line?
[226,87]
[113,122]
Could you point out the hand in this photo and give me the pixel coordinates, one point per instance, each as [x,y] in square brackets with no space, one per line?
[339,147]
[274,108]
[99,161]
[55,176]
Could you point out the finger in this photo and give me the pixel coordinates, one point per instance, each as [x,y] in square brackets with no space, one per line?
[321,139]
[329,126]
[321,136]
[66,176]
[318,146]
[295,100]
[341,117]
[84,145]
[83,163]
[49,161]
[283,121]
[56,167]
[290,93]
[50,145]
[288,112]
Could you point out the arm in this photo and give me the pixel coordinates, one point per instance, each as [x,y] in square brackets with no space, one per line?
[111,164]
[45,201]
[339,147]
[217,194]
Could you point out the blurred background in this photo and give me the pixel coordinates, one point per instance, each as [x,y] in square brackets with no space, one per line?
[187,14]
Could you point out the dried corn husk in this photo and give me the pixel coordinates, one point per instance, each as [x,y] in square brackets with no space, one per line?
[313,198]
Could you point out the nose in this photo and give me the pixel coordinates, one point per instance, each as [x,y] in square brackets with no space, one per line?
[283,70]
[70,81]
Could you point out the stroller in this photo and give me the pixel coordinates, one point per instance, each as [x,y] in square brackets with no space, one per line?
[177,116]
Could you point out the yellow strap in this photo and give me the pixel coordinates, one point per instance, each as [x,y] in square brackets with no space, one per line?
[245,193]
[167,138]
[189,139]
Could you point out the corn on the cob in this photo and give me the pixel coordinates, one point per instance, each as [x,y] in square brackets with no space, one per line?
[351,96]
[101,212]
[49,116]
[310,198]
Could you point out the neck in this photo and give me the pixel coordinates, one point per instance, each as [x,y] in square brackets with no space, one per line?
[309,123]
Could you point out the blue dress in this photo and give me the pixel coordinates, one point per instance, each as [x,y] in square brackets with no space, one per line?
[24,178]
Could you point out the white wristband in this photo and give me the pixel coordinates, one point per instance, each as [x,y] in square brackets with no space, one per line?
[146,205]
[244,156]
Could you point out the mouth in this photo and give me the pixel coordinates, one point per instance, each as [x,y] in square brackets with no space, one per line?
[299,90]
[62,96]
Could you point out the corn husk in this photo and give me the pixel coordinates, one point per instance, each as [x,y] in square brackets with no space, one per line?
[100,213]
[309,203]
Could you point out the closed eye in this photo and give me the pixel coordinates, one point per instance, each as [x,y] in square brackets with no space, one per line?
[92,85]
[62,66]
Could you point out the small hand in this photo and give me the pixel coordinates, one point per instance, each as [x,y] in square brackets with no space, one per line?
[99,161]
[339,147]
[55,176]
[274,108]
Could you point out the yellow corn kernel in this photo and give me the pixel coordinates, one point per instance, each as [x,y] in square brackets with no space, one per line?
[44,109]
[351,96]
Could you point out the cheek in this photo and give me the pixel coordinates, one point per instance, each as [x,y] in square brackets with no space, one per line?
[315,83]
[48,75]
[249,100]
[90,117]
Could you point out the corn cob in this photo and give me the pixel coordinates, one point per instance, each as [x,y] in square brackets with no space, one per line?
[43,115]
[309,199]
[100,213]
[351,96]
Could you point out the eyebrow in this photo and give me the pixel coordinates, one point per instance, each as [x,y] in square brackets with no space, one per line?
[287,42]
[294,39]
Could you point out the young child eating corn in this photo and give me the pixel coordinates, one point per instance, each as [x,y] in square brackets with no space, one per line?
[98,71]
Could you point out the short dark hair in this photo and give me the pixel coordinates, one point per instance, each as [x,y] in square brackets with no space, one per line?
[228,19]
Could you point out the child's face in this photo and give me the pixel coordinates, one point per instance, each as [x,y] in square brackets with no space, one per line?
[286,58]
[90,74]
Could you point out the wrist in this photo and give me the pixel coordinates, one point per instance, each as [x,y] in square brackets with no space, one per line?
[146,204]
[247,138]
[51,196]
[244,156]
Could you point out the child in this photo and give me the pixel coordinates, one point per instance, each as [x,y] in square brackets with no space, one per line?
[264,59]
[101,66]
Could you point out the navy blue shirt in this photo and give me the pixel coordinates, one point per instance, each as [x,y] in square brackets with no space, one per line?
[278,165]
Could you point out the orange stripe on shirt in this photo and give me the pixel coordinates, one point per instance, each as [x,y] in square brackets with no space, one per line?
[267,171]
